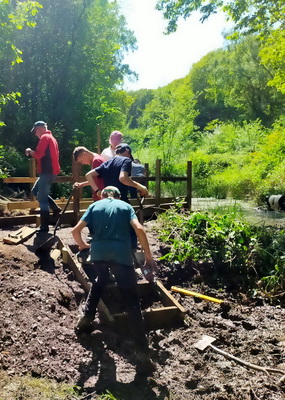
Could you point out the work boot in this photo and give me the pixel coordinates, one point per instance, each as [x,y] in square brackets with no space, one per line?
[44,222]
[145,365]
[84,324]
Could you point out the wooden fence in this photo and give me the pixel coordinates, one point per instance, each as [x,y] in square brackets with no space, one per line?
[78,204]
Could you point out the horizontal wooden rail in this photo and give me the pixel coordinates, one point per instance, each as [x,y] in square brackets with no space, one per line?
[64,179]
[84,203]
[78,204]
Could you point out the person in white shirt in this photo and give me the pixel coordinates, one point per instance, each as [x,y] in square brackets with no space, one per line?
[114,139]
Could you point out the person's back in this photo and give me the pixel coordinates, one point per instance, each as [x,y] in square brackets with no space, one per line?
[110,171]
[137,168]
[109,224]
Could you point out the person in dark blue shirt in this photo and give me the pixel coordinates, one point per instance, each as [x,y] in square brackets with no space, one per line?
[117,172]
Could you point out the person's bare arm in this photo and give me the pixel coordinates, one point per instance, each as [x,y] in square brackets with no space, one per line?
[76,233]
[127,180]
[90,179]
[78,185]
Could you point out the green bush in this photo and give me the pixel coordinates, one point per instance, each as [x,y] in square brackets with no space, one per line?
[239,251]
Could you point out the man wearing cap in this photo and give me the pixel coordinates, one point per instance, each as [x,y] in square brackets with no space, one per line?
[109,221]
[47,156]
[114,139]
[117,172]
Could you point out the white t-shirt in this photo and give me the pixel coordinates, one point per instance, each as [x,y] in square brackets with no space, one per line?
[108,153]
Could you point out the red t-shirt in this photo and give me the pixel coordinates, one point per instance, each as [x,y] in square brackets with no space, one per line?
[97,160]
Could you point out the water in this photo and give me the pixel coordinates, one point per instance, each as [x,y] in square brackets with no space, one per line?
[254,215]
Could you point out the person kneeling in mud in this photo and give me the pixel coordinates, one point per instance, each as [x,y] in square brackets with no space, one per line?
[109,223]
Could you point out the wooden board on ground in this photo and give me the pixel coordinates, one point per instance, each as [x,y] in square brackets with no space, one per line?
[166,313]
[19,236]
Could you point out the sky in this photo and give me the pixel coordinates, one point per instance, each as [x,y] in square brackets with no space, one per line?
[160,58]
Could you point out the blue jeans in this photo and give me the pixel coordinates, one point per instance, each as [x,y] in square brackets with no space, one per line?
[41,190]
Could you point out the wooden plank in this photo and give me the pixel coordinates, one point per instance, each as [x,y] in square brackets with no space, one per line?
[22,205]
[189,185]
[155,318]
[61,179]
[19,236]
[167,298]
[81,278]
[85,203]
[7,222]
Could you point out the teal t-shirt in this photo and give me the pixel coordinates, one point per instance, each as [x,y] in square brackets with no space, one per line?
[109,223]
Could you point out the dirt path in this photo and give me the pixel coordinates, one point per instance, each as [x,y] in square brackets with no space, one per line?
[39,308]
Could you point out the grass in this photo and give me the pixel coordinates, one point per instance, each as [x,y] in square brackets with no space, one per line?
[29,388]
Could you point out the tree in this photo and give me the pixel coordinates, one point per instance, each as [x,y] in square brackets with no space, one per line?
[266,18]
[168,123]
[248,15]
[13,16]
[140,99]
[71,72]
[272,56]
[231,84]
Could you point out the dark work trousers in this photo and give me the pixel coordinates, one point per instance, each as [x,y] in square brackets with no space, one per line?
[127,285]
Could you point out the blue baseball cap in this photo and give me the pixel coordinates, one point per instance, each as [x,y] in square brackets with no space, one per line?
[37,124]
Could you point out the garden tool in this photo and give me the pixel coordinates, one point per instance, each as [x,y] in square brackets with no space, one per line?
[207,341]
[49,243]
[195,294]
[140,202]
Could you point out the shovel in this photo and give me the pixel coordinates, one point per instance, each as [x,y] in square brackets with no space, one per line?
[140,202]
[207,341]
[49,243]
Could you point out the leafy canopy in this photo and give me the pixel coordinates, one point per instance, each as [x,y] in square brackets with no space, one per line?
[248,15]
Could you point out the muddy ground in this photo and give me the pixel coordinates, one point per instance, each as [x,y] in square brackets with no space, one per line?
[39,309]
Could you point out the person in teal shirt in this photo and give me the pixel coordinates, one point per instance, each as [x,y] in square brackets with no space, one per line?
[109,222]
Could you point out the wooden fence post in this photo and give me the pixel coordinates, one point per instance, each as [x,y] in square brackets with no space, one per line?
[146,166]
[157,182]
[189,185]
[33,174]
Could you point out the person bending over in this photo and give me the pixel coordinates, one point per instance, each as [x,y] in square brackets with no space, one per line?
[86,157]
[108,221]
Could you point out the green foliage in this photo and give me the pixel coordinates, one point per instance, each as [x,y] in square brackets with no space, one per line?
[13,16]
[29,388]
[231,84]
[166,127]
[236,248]
[3,173]
[140,99]
[248,16]
[272,56]
[71,73]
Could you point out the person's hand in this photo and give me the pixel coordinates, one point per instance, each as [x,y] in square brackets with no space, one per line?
[143,191]
[28,151]
[76,185]
[84,246]
[149,270]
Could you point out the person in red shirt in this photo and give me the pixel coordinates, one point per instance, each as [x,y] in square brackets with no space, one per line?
[86,157]
[47,156]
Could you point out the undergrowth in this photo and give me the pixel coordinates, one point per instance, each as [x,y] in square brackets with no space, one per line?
[253,257]
[30,388]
